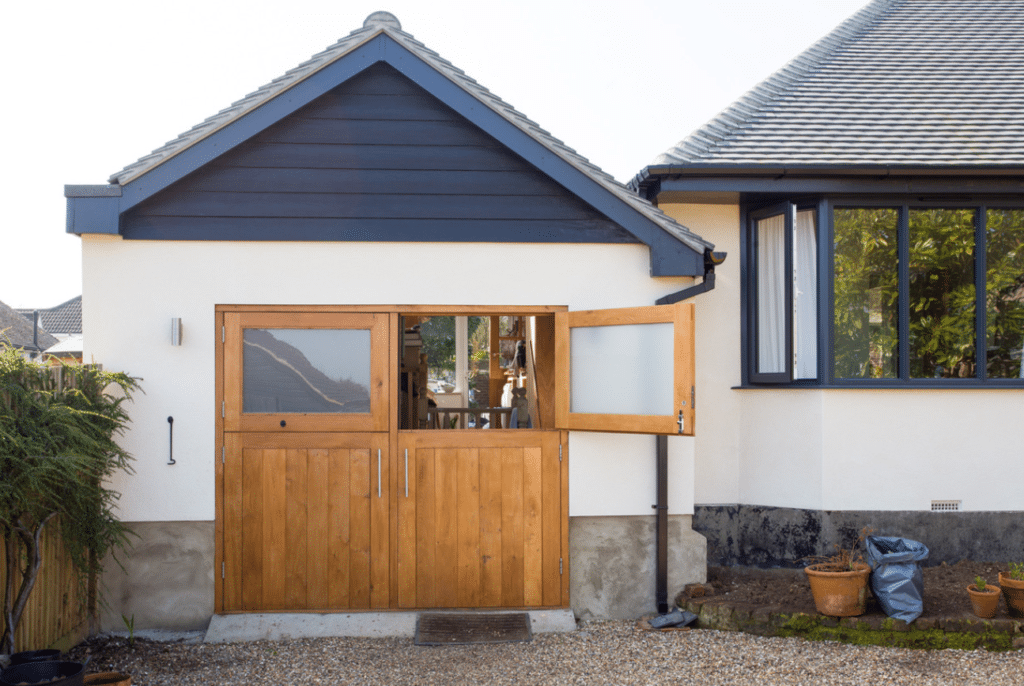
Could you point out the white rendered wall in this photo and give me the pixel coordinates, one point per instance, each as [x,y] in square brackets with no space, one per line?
[899,450]
[719,409]
[132,289]
[891,449]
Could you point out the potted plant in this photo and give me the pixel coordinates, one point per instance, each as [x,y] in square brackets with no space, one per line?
[984,598]
[839,582]
[1012,583]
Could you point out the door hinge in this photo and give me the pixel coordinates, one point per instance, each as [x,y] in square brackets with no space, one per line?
[222,409]
[693,398]
[559,452]
[223,454]
[222,335]
[559,566]
[222,572]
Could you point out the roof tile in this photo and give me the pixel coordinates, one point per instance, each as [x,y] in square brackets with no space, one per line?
[931,82]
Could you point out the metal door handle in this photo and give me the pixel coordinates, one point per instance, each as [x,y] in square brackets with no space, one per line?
[406,472]
[378,472]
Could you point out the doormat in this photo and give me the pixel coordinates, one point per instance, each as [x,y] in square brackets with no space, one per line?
[443,628]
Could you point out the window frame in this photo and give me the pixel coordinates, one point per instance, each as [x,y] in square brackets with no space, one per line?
[749,298]
[825,206]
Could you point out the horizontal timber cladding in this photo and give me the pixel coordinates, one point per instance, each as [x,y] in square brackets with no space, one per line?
[376,159]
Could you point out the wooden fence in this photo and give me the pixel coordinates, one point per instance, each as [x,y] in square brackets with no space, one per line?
[58,610]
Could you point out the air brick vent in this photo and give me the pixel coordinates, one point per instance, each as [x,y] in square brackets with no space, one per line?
[945,506]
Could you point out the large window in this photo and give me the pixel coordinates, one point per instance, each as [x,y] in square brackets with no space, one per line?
[910,294]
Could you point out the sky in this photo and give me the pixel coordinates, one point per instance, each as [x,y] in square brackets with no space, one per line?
[92,87]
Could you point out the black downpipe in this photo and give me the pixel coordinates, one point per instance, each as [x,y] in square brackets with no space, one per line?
[661,526]
[711,259]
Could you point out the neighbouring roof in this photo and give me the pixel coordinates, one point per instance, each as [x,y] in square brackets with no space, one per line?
[376,24]
[16,330]
[65,318]
[70,346]
[906,83]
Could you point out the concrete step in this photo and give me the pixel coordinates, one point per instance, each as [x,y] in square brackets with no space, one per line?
[279,626]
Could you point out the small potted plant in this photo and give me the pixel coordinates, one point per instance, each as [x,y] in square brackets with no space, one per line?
[1012,583]
[984,598]
[839,582]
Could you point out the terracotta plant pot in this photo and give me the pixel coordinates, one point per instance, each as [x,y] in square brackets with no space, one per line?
[1013,591]
[985,603]
[108,679]
[839,594]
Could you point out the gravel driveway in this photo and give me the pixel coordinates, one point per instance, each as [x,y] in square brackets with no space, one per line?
[599,653]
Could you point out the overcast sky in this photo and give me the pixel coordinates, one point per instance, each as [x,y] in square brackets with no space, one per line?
[91,87]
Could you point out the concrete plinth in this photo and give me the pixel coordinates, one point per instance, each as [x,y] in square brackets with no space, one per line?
[167,581]
[614,561]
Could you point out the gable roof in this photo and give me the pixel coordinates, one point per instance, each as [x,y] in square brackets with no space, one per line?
[901,83]
[16,330]
[381,39]
[65,318]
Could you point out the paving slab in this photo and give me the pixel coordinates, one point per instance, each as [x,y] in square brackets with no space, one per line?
[279,626]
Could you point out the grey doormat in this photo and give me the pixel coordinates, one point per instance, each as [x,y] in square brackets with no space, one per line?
[446,628]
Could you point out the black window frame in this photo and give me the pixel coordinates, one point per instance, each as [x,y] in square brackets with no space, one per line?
[825,205]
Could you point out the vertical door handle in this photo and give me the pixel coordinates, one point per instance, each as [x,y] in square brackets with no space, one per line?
[378,472]
[406,472]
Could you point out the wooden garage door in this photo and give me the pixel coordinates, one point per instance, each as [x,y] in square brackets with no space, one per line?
[482,519]
[321,508]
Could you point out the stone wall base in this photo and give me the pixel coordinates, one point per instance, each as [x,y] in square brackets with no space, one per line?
[761,536]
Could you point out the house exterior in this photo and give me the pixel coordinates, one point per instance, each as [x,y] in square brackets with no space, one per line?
[64,323]
[827,376]
[18,331]
[61,321]
[862,353]
[285,259]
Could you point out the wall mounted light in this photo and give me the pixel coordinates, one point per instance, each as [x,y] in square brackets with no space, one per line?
[175,330]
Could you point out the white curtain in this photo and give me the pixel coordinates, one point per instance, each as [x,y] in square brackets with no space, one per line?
[771,294]
[805,297]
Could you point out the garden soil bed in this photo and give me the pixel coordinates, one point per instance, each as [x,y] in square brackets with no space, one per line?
[945,593]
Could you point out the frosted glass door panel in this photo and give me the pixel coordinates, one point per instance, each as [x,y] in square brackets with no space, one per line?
[306,371]
[623,369]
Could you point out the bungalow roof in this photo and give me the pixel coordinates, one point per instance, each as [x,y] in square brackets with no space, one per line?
[901,84]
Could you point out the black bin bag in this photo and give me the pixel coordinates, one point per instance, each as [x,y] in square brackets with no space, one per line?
[896,578]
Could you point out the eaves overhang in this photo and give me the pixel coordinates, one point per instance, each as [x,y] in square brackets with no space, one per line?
[655,180]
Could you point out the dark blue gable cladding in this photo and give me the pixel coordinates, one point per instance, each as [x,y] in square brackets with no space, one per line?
[376,138]
[376,158]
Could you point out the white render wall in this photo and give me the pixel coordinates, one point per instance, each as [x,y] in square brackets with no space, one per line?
[132,289]
[830,449]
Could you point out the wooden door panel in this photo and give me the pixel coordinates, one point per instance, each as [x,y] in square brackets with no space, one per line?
[306,528]
[483,523]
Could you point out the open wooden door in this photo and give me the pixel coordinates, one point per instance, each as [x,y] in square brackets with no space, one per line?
[626,370]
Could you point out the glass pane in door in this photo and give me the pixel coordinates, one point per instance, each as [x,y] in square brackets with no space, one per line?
[306,371]
[623,369]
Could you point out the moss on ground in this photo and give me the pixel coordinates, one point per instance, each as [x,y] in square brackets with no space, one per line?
[811,628]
